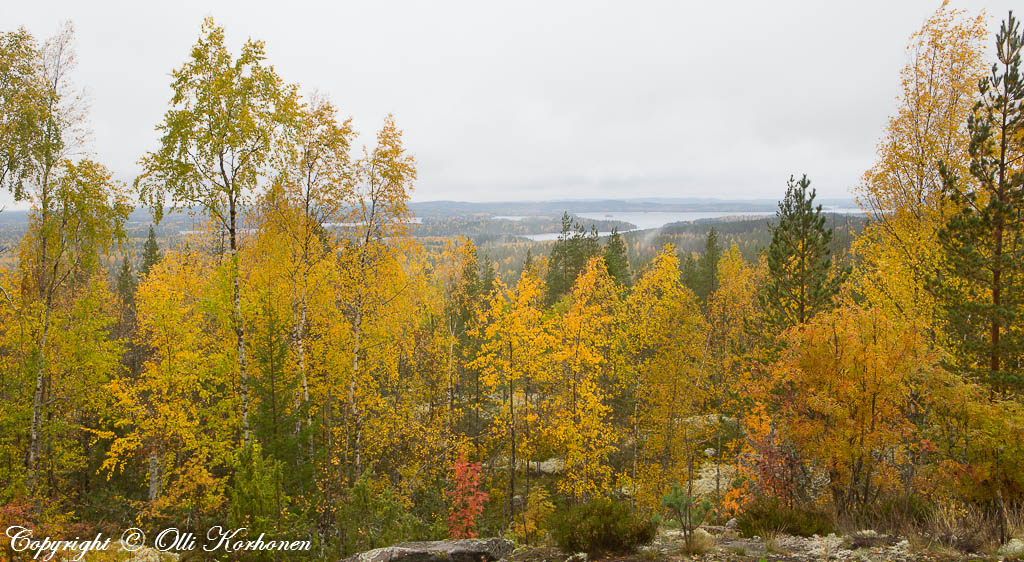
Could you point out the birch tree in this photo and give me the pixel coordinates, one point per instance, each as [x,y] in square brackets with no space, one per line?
[216,140]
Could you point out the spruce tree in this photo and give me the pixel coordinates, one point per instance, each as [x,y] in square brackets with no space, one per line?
[488,275]
[980,287]
[127,317]
[151,254]
[688,272]
[126,283]
[801,280]
[126,286]
[706,267]
[615,258]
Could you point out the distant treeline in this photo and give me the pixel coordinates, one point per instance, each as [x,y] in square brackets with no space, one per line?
[752,235]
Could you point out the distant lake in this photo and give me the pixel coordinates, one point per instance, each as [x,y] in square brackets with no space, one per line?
[645,220]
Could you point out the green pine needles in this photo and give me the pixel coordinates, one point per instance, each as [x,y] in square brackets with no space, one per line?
[803,280]
[980,287]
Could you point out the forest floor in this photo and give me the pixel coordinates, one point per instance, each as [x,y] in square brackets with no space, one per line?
[729,547]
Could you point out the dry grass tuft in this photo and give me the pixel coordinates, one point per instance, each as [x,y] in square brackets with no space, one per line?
[700,542]
[770,535]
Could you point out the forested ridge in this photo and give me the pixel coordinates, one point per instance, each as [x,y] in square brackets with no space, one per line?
[303,366]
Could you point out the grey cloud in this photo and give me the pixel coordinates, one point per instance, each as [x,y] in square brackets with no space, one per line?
[542,99]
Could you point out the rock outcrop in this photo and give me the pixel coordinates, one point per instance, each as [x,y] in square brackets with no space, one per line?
[463,550]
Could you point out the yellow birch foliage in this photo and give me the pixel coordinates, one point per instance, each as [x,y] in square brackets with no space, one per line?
[903,190]
[378,292]
[458,280]
[182,410]
[732,311]
[513,361]
[580,426]
[665,338]
[81,360]
[313,188]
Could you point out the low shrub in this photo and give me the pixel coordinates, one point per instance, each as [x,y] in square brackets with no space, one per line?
[770,514]
[897,514]
[600,526]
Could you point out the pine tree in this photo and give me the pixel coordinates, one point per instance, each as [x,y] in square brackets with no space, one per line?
[151,253]
[981,285]
[255,492]
[616,260]
[801,280]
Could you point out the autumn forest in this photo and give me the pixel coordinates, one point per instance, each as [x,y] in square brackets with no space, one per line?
[301,365]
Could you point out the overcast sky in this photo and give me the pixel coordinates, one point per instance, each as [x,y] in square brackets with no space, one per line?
[540,100]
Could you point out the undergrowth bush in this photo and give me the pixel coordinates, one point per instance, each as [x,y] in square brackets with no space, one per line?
[373,515]
[600,526]
[770,515]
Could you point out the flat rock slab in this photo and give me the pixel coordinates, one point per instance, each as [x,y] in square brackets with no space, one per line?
[462,550]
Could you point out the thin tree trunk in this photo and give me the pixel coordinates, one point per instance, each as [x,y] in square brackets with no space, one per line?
[242,368]
[451,383]
[300,344]
[636,437]
[512,442]
[155,477]
[46,296]
[353,405]
[239,324]
[998,235]
[37,403]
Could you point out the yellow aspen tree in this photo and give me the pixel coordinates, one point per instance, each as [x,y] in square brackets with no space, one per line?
[216,142]
[77,210]
[280,408]
[398,344]
[418,440]
[731,347]
[78,218]
[967,439]
[81,359]
[464,281]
